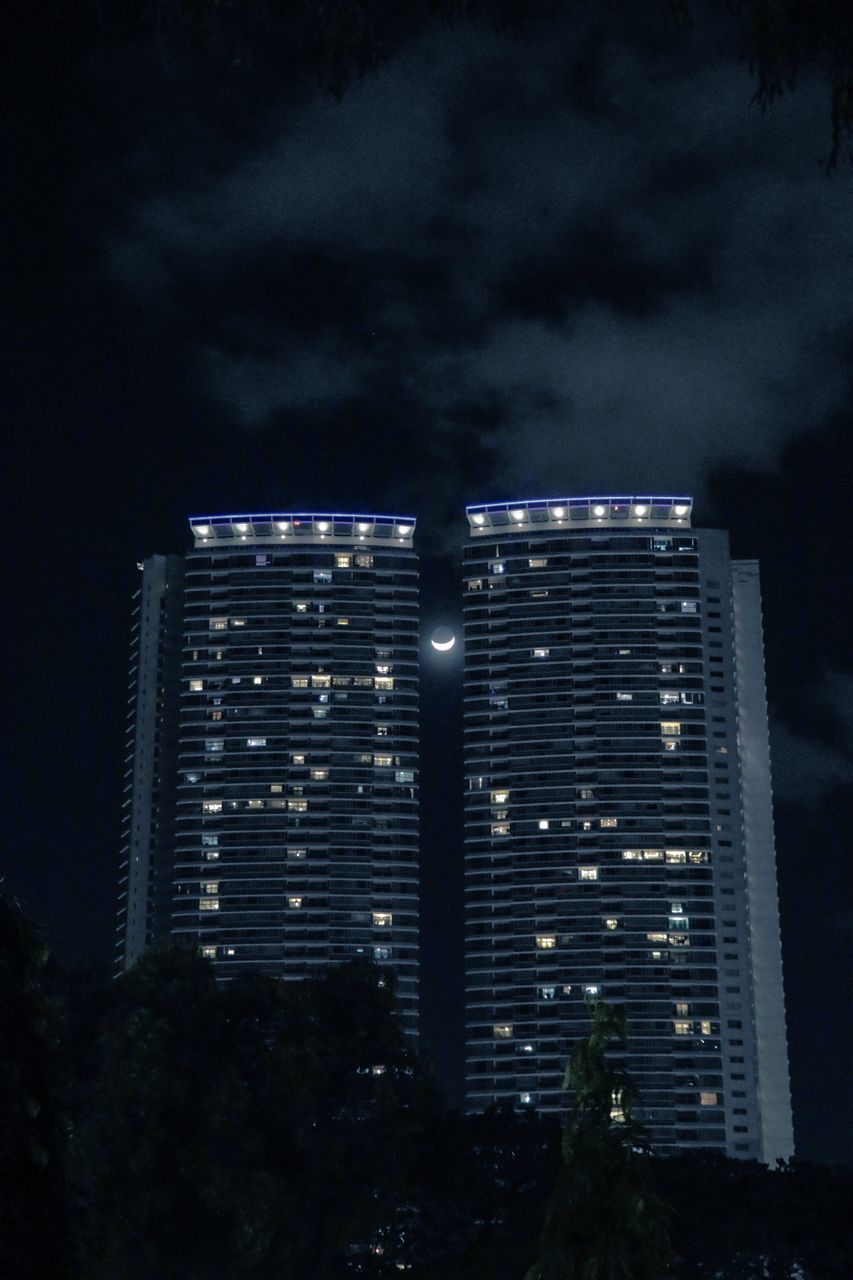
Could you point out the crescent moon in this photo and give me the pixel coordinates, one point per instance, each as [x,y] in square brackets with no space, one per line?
[443,645]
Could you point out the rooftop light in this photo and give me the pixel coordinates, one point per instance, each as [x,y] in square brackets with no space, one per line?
[241,528]
[404,529]
[518,514]
[559,512]
[283,524]
[364,528]
[479,519]
[640,509]
[203,529]
[598,509]
[322,525]
[681,510]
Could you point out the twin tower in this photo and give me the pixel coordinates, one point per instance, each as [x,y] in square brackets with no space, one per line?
[618,816]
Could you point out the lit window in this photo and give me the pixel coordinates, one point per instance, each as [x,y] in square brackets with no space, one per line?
[343,622]
[196,686]
[548,993]
[208,904]
[676,856]
[382,919]
[502,1031]
[707,1099]
[656,937]
[609,822]
[297,853]
[682,1009]
[299,682]
[238,622]
[705,1028]
[591,989]
[525,1099]
[214,744]
[256,804]
[670,744]
[586,793]
[343,561]
[543,824]
[230,951]
[384,668]
[297,758]
[381,953]
[668,699]
[209,840]
[256,742]
[546,941]
[320,713]
[319,775]
[208,953]
[586,825]
[257,679]
[540,653]
[404,775]
[696,856]
[588,873]
[500,828]
[497,566]
[297,806]
[689,606]
[682,1028]
[383,761]
[301,606]
[321,682]
[384,682]
[500,797]
[276,787]
[670,727]
[631,855]
[475,584]
[538,563]
[211,806]
[322,575]
[218,624]
[294,904]
[364,561]
[611,923]
[624,697]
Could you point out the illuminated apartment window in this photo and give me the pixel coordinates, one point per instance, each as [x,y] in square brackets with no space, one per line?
[294,904]
[588,873]
[322,575]
[682,1028]
[343,622]
[609,822]
[297,806]
[525,1099]
[299,682]
[705,1028]
[321,682]
[548,993]
[257,679]
[502,1031]
[383,761]
[682,1009]
[656,937]
[404,775]
[238,622]
[586,825]
[208,953]
[381,953]
[319,775]
[500,828]
[668,699]
[707,1099]
[689,606]
[591,989]
[500,797]
[363,682]
[364,561]
[256,742]
[276,787]
[256,804]
[214,744]
[540,653]
[211,806]
[208,904]
[196,686]
[320,713]
[475,584]
[611,923]
[676,856]
[539,562]
[546,941]
[624,697]
[343,561]
[587,793]
[496,566]
[382,919]
[301,606]
[543,824]
[296,853]
[207,840]
[218,624]
[296,757]
[670,728]
[670,744]
[384,682]
[384,668]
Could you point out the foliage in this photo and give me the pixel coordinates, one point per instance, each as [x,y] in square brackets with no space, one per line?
[32,1224]
[605,1221]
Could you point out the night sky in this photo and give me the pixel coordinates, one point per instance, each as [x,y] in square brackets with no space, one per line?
[568,261]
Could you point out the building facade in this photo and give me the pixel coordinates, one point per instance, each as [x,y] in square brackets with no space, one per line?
[618,816]
[272,790]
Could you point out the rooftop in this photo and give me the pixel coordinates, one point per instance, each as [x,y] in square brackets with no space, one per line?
[289,527]
[527,515]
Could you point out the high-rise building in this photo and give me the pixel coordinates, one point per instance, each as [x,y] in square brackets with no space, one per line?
[271,789]
[619,838]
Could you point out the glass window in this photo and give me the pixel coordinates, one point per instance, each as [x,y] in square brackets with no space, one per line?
[297,853]
[208,904]
[364,561]
[382,919]
[256,742]
[322,575]
[502,1031]
[588,873]
[384,682]
[670,727]
[609,822]
[500,828]
[543,824]
[546,941]
[540,653]
[294,904]
[342,561]
[211,806]
[681,1027]
[707,1099]
[196,686]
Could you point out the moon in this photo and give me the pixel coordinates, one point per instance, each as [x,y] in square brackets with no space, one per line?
[442,639]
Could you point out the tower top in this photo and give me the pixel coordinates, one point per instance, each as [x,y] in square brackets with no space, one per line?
[289,527]
[608,511]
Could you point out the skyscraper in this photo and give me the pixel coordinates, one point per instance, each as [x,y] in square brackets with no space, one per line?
[271,787]
[618,835]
